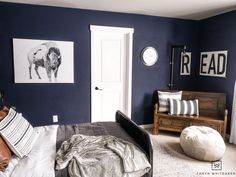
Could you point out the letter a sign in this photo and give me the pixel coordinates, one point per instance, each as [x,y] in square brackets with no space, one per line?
[213,63]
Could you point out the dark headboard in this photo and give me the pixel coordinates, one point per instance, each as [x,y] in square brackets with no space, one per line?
[138,134]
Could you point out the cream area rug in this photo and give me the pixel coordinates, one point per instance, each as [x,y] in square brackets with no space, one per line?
[169,160]
[166,164]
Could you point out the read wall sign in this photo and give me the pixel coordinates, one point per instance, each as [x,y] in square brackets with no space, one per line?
[213,63]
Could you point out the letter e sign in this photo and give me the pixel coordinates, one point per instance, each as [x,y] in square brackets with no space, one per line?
[185,65]
[213,63]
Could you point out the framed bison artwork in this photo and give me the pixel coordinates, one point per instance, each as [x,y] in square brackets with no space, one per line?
[43,61]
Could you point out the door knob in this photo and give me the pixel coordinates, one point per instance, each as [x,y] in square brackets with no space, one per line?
[96,88]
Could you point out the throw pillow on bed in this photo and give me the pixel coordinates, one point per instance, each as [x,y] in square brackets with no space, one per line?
[3,112]
[189,107]
[5,152]
[18,133]
[5,155]
[163,98]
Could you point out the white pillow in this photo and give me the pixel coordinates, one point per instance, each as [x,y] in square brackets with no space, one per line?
[164,97]
[18,133]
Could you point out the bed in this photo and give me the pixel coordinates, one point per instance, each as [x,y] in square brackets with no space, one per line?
[42,156]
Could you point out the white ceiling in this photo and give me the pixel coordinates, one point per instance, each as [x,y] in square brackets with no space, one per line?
[185,9]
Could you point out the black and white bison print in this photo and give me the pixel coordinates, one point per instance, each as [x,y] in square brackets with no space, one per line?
[46,55]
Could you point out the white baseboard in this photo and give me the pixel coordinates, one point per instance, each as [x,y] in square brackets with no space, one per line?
[146,126]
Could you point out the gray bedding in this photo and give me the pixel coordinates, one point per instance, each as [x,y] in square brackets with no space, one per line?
[96,156]
[92,129]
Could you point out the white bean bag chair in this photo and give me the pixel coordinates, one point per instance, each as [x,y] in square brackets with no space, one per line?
[202,143]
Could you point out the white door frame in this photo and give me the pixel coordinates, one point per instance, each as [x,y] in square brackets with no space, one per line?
[129,45]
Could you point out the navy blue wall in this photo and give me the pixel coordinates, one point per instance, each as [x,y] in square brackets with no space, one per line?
[219,33]
[38,102]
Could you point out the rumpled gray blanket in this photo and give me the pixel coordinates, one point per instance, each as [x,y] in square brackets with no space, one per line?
[101,156]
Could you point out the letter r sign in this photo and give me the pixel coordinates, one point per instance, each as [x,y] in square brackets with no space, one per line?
[185,64]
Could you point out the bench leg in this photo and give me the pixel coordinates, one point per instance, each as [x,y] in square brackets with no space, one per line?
[156,126]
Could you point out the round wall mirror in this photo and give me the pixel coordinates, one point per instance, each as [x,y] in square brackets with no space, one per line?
[149,56]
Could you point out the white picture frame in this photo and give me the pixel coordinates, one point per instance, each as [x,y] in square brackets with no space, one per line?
[43,61]
[185,64]
[213,63]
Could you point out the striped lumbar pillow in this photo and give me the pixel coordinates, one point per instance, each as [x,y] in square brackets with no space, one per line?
[18,133]
[189,107]
[163,99]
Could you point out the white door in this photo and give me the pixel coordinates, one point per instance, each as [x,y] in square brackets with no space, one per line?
[111,66]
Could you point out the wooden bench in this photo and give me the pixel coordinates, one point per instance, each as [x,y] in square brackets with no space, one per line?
[212,113]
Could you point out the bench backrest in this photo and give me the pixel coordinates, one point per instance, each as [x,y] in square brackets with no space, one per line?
[210,104]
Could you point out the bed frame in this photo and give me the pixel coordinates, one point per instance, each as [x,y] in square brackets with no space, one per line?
[139,135]
[130,132]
